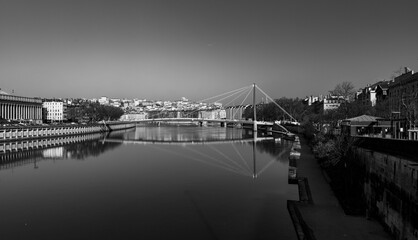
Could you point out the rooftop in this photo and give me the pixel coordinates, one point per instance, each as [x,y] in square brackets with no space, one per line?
[3,92]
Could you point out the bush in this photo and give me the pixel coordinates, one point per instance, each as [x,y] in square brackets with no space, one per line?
[335,156]
[327,153]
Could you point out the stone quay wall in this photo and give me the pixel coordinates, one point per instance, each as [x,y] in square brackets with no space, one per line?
[391,190]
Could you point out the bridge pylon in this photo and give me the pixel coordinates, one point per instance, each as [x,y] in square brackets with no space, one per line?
[254,110]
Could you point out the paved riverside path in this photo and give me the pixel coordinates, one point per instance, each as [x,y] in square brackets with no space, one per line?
[325,216]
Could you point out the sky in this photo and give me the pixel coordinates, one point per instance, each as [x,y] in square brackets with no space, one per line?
[196,49]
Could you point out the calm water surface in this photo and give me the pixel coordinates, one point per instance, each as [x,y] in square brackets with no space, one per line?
[151,183]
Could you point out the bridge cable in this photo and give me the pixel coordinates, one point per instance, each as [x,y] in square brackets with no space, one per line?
[276,103]
[204,100]
[241,157]
[228,158]
[217,160]
[233,117]
[238,91]
[201,160]
[221,99]
[270,162]
[227,104]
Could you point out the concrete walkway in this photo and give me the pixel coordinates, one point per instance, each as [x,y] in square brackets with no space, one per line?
[325,217]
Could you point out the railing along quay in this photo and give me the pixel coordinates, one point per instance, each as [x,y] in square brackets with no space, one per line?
[30,132]
[12,150]
[8,134]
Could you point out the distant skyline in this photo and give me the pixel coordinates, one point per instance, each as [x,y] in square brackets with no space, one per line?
[196,49]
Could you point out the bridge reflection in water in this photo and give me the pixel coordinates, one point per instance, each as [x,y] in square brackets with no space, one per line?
[19,153]
[198,186]
[209,137]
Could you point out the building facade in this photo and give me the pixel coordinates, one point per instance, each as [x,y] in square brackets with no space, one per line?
[372,94]
[134,116]
[235,112]
[55,111]
[332,102]
[382,92]
[18,108]
[313,99]
[213,114]
[403,94]
[104,101]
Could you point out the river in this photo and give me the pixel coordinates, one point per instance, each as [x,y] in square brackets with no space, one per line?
[150,182]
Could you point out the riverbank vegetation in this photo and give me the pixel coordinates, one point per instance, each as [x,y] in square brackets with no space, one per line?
[93,112]
[335,154]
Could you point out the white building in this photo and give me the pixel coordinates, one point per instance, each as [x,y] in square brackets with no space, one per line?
[332,102]
[313,99]
[134,116]
[213,114]
[54,111]
[104,101]
[20,108]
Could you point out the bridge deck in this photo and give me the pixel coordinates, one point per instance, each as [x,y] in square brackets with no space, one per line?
[205,120]
[205,142]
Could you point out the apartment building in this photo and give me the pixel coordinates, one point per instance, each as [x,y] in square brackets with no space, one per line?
[54,111]
[372,94]
[403,93]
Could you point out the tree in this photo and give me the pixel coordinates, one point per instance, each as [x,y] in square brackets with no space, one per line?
[94,112]
[410,107]
[344,89]
[271,112]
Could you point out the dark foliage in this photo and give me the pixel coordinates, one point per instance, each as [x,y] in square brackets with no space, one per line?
[93,112]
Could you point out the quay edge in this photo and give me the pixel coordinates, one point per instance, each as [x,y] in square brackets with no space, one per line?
[30,132]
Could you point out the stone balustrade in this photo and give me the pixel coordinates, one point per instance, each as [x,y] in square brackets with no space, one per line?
[8,134]
[18,133]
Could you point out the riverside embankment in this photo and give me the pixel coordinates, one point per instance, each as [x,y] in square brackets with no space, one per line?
[15,142]
[39,131]
[390,183]
[318,214]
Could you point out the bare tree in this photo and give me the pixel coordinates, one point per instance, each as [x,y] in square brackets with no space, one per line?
[344,89]
[410,104]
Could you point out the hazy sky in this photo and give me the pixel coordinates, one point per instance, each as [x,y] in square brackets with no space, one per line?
[197,49]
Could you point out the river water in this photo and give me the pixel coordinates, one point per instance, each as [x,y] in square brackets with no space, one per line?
[165,182]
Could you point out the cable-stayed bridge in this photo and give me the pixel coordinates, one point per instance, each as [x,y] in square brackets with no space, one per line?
[233,104]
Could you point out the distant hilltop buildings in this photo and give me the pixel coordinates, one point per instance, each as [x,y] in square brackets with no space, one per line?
[325,103]
[37,110]
[141,105]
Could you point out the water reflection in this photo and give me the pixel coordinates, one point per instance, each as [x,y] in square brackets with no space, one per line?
[230,159]
[234,158]
[188,190]
[184,134]
[19,153]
